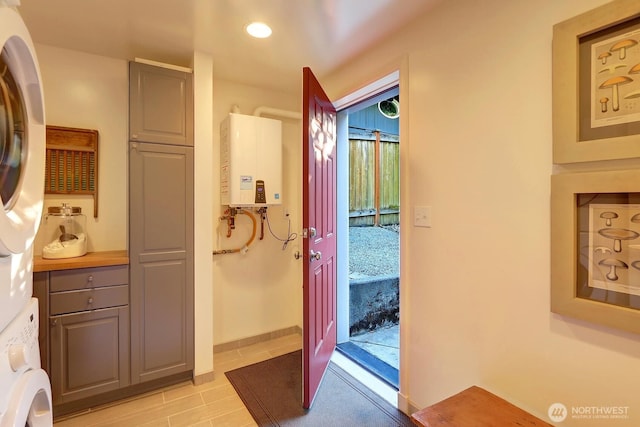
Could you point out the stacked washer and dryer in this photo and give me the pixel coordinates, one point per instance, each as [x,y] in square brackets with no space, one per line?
[25,391]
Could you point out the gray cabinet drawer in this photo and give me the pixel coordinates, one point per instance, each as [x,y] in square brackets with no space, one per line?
[86,278]
[88,299]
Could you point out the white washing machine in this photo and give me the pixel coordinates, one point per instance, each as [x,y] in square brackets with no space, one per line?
[22,151]
[25,392]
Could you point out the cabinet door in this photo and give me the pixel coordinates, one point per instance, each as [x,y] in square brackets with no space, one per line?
[160,105]
[89,353]
[161,260]
[41,291]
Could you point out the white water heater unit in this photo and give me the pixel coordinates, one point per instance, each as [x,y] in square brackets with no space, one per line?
[250,161]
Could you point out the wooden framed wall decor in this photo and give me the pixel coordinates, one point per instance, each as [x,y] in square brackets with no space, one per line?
[596,84]
[71,165]
[595,247]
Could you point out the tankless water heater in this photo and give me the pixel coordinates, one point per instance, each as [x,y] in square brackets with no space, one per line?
[250,161]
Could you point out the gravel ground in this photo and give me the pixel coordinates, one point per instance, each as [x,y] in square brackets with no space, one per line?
[373,251]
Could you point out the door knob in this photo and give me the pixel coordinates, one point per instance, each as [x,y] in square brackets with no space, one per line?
[315,255]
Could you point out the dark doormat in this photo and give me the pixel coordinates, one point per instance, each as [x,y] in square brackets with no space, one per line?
[272,392]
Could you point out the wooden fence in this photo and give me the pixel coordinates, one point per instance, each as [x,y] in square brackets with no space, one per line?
[374,186]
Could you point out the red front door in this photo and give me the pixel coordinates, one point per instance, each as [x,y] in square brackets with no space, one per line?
[319,221]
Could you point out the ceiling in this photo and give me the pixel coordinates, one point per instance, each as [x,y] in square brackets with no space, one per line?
[321,34]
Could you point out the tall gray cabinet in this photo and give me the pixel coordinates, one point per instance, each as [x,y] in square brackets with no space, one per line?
[161,222]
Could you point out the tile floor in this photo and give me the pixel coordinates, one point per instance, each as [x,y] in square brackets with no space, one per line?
[211,404]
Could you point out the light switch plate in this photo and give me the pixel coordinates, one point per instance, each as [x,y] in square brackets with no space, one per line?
[422,216]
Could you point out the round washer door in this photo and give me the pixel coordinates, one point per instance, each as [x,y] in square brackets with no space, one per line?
[22,136]
[30,402]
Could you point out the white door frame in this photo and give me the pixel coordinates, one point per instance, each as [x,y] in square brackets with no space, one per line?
[342,106]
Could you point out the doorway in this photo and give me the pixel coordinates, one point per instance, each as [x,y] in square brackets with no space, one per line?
[368,213]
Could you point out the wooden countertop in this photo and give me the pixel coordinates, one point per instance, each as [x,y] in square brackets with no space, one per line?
[91,259]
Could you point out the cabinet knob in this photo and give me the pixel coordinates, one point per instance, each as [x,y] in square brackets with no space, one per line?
[54,322]
[90,300]
[90,278]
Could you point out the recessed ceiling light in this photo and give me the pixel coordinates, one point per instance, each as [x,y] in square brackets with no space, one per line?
[259,30]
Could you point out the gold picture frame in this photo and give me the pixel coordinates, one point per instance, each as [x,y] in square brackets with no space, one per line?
[585,282]
[578,134]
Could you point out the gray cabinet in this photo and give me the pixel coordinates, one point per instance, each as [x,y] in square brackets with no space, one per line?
[161,105]
[89,353]
[160,221]
[41,291]
[161,260]
[86,346]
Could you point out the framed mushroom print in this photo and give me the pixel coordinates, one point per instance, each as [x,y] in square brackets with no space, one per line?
[596,85]
[595,247]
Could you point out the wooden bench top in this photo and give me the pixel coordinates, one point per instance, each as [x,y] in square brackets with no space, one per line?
[475,407]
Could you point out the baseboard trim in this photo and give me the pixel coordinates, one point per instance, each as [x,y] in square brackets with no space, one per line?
[405,405]
[234,345]
[207,377]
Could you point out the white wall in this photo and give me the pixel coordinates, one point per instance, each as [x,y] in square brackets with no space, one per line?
[261,291]
[91,92]
[476,87]
[203,210]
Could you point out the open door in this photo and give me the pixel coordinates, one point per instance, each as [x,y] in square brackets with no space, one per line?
[319,243]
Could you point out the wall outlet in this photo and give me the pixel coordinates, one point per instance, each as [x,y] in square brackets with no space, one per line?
[422,216]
